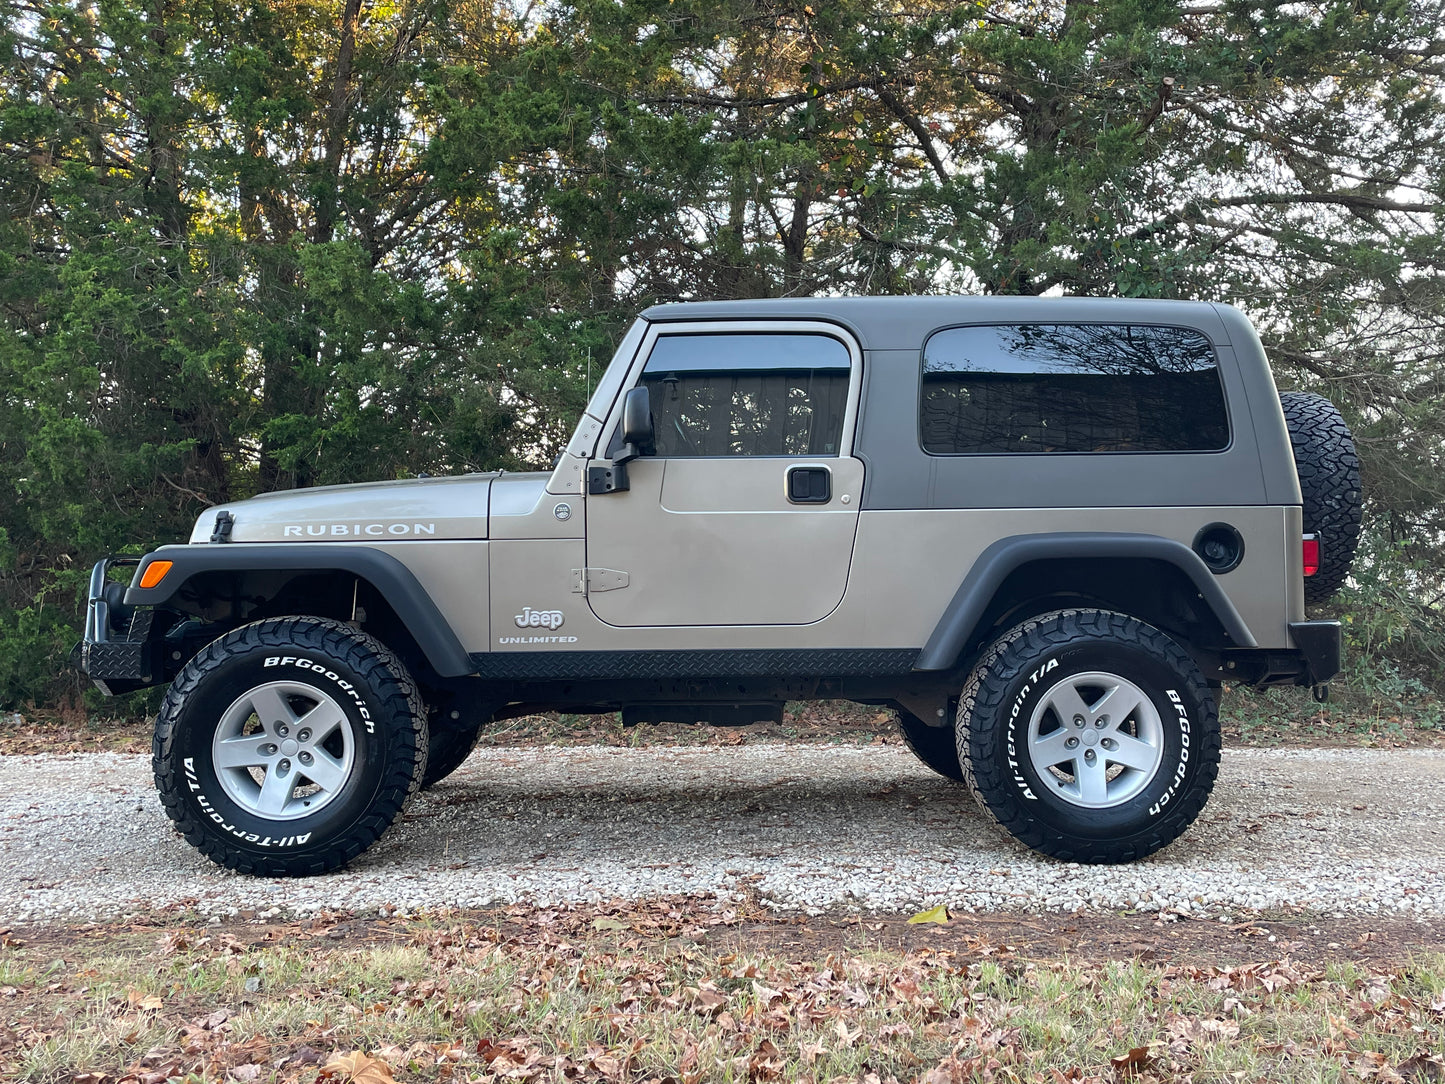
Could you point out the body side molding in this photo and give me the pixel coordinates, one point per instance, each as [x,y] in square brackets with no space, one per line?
[994,565]
[395,582]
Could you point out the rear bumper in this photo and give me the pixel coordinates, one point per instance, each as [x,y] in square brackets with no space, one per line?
[1314,659]
[1321,644]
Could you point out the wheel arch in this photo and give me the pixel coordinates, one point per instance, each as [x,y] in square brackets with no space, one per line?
[1159,580]
[237,583]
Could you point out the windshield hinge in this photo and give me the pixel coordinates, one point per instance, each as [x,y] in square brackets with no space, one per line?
[222,531]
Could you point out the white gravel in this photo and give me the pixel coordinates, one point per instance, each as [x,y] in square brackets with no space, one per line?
[804,826]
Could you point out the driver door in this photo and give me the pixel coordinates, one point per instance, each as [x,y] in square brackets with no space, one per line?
[746,509]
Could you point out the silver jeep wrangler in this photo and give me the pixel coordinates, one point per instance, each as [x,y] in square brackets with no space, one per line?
[1043,530]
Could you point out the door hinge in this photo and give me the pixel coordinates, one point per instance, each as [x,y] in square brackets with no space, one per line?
[587,580]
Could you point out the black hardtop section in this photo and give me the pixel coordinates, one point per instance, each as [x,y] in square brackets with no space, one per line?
[903,323]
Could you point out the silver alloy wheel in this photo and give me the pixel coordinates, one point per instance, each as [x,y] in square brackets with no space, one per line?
[1097,737]
[283,750]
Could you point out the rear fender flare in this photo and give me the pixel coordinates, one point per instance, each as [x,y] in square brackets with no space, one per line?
[960,620]
[392,579]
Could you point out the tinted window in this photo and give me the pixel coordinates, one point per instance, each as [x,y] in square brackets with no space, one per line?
[748,394]
[1071,388]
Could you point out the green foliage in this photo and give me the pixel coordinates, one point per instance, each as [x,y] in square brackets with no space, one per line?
[245,247]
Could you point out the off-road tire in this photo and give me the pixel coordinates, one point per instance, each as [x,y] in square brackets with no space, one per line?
[936,746]
[380,709]
[448,749]
[1329,481]
[1017,675]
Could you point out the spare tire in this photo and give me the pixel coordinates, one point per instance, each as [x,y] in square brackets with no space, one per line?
[1329,480]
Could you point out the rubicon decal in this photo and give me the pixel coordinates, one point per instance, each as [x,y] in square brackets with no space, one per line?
[539,619]
[358,530]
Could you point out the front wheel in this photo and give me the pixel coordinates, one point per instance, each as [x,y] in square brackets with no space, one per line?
[288,746]
[1089,736]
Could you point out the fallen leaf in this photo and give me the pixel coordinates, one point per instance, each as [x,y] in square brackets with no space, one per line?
[767,1062]
[1340,1028]
[767,995]
[143,1002]
[937,914]
[1421,1068]
[605,923]
[357,1068]
[1135,1061]
[811,1051]
[709,999]
[304,1055]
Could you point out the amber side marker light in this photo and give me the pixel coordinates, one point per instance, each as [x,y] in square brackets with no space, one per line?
[154,573]
[1311,547]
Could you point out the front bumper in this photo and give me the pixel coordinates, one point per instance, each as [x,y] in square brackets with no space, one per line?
[120,651]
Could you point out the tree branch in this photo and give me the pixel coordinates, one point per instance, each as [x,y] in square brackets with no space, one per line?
[914,125]
[712,101]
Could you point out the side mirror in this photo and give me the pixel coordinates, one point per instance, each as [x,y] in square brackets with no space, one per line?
[637,437]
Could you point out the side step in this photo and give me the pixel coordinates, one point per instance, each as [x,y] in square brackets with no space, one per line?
[740,714]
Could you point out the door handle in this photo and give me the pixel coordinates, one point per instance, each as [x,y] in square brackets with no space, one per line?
[810,485]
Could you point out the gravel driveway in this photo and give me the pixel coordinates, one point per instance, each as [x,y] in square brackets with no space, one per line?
[803,826]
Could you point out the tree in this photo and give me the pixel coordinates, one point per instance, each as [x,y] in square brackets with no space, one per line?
[256,246]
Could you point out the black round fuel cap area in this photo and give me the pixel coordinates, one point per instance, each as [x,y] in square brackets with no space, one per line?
[1220,546]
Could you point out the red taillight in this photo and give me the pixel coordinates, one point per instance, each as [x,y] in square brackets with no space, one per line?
[1311,548]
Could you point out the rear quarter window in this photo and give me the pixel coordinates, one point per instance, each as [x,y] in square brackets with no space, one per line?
[1071,388]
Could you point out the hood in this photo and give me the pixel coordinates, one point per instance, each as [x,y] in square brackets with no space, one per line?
[370,511]
[518,494]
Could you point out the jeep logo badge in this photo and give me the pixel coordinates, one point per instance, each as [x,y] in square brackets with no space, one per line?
[538,619]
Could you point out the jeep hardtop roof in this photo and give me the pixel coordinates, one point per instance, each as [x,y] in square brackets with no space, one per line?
[901,323]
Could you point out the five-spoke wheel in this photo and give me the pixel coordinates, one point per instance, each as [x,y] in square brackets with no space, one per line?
[1098,737]
[284,750]
[289,746]
[1089,736]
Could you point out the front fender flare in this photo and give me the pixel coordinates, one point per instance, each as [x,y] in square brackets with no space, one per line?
[396,583]
[959,621]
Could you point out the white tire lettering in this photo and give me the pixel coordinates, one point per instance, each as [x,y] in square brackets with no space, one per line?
[330,675]
[1182,713]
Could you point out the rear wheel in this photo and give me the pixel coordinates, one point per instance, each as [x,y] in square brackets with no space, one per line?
[1089,736]
[448,749]
[287,747]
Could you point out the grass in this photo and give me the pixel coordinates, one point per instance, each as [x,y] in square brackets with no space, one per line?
[1288,717]
[648,1002]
